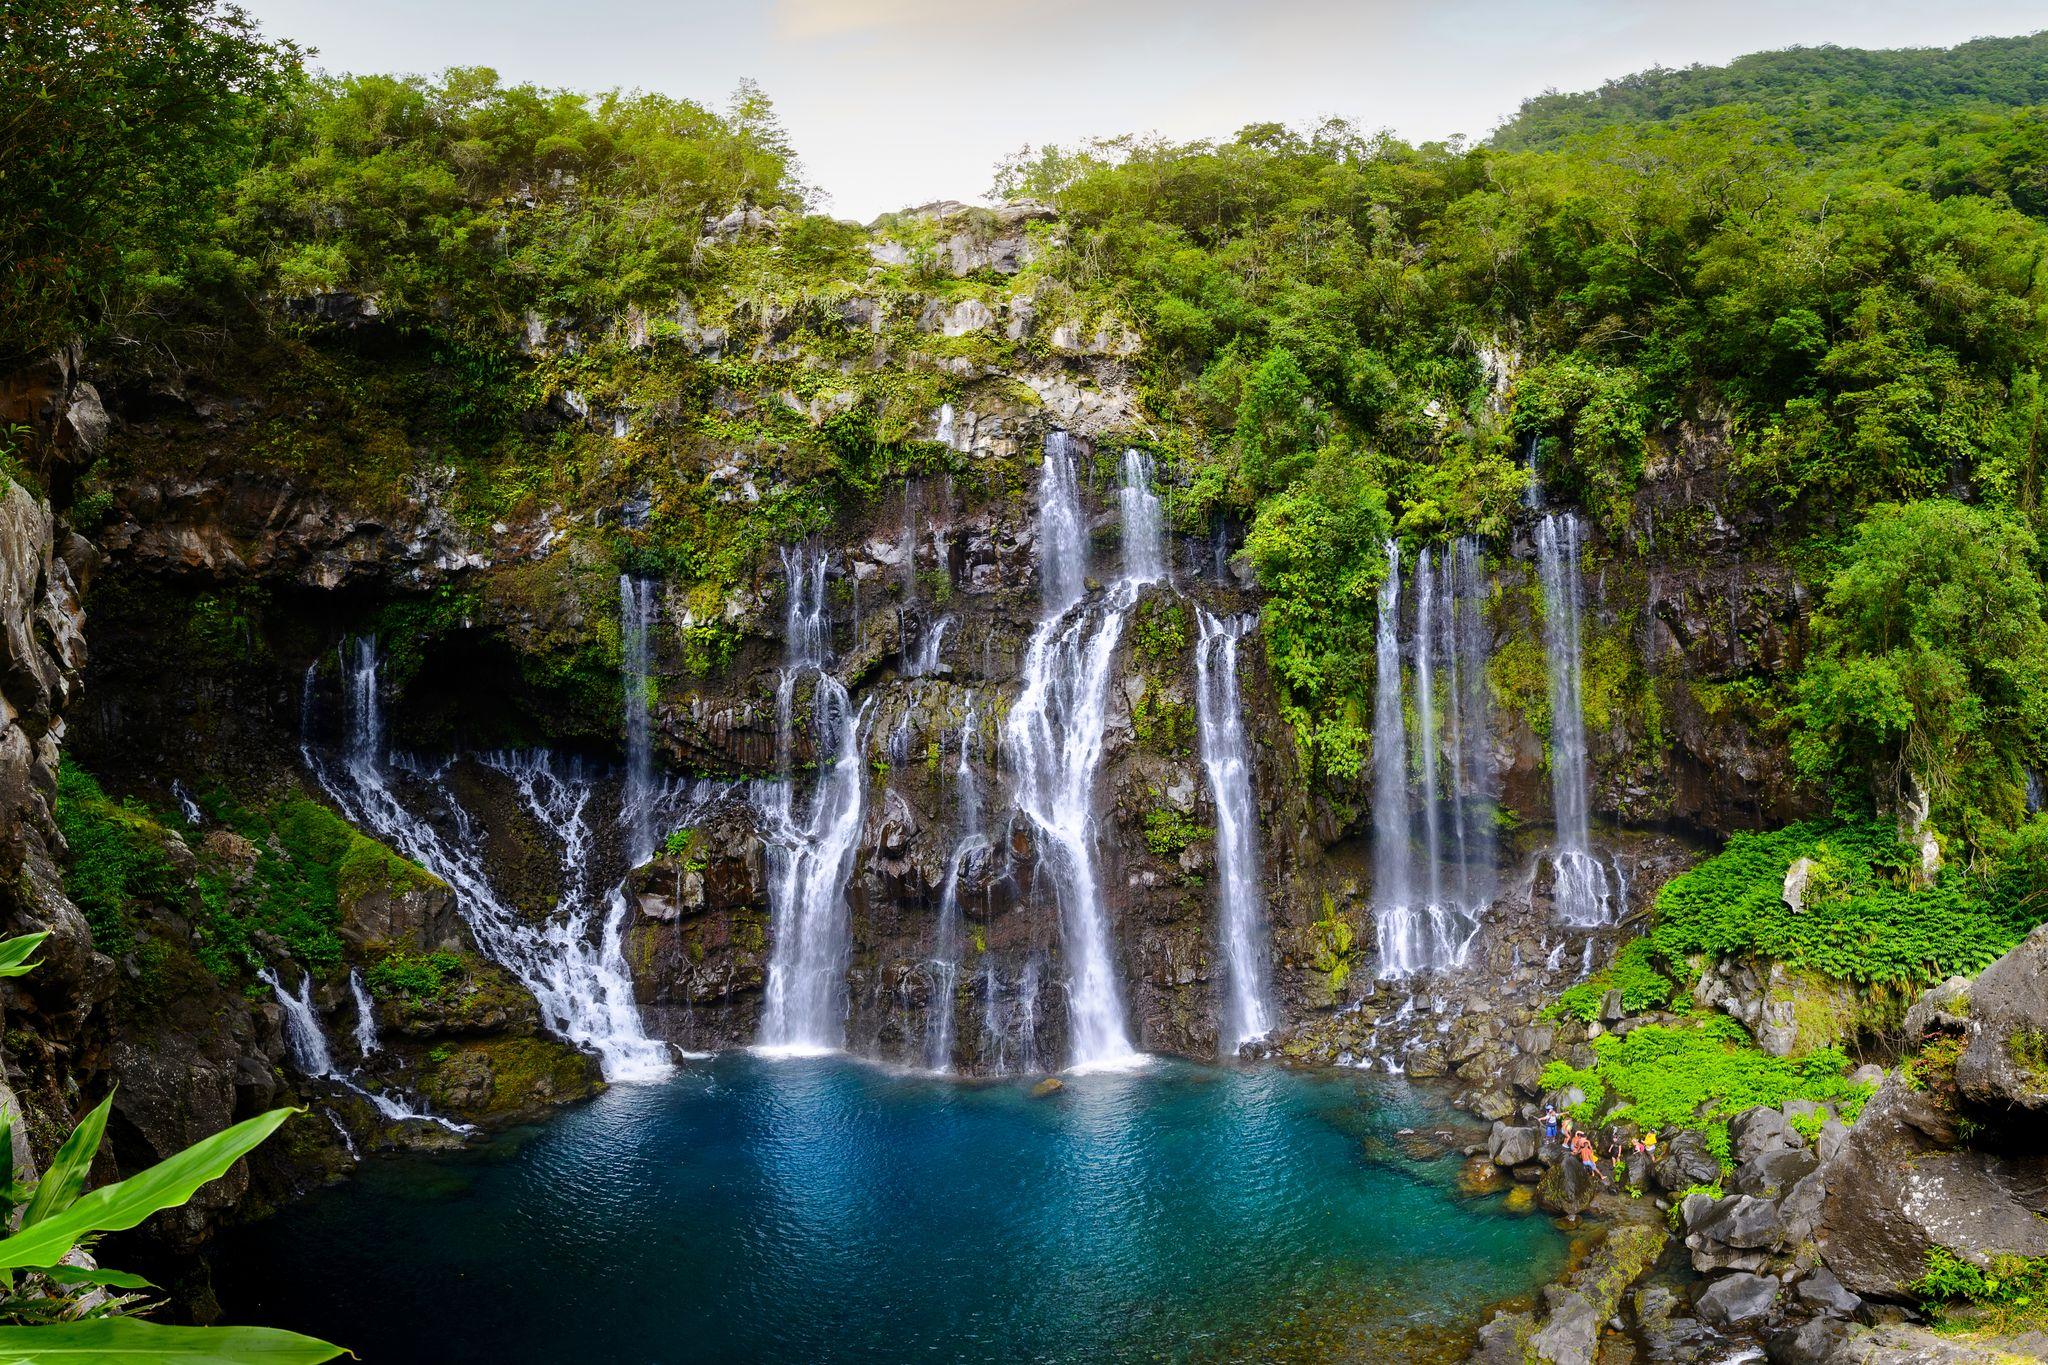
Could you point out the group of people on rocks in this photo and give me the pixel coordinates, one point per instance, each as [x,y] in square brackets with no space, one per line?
[1578,1143]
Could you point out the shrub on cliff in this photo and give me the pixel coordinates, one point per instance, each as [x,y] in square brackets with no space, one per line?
[1864,919]
[1928,677]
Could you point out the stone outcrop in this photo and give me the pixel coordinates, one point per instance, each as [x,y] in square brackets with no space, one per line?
[2005,1066]
[1566,1328]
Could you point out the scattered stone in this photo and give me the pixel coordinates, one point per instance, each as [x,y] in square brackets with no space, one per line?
[1823,1293]
[1510,1146]
[1737,1301]
[1049,1086]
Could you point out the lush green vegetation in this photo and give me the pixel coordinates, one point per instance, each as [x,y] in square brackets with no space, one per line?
[1865,919]
[1635,972]
[1664,1077]
[2008,1295]
[1861,329]
[414,976]
[1929,673]
[123,124]
[51,1310]
[284,870]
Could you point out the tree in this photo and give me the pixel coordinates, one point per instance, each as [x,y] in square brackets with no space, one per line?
[1928,677]
[122,123]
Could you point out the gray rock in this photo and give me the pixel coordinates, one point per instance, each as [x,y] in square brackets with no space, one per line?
[1946,1006]
[1770,1175]
[1683,1161]
[1796,878]
[1758,1131]
[1737,1301]
[1900,1187]
[1823,1293]
[2006,1063]
[1507,1146]
[1740,1220]
[1813,1342]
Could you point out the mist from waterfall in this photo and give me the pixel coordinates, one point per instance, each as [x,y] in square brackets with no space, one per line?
[1054,731]
[810,853]
[1248,1008]
[584,993]
[1444,801]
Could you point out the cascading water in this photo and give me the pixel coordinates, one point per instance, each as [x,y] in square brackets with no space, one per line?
[304,1039]
[1581,889]
[1144,521]
[1248,1012]
[307,1043]
[366,1015]
[1054,731]
[810,858]
[1432,926]
[971,843]
[583,992]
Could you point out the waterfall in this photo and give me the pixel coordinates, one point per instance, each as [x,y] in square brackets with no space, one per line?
[945,435]
[1581,889]
[1431,926]
[1054,733]
[584,993]
[1248,1012]
[1392,855]
[945,966]
[1144,521]
[810,856]
[636,630]
[366,1015]
[304,1039]
[1469,647]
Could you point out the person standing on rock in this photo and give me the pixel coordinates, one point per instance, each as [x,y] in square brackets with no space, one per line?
[1550,1121]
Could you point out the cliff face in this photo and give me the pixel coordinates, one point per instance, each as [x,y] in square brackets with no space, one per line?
[234,584]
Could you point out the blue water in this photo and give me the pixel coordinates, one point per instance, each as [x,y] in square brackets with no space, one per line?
[822,1210]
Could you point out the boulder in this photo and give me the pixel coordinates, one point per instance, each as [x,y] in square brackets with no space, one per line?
[1738,1302]
[1902,1345]
[1735,1233]
[1900,1187]
[1824,1294]
[1946,1007]
[1683,1161]
[1568,1331]
[2006,1063]
[1757,1132]
[1568,1188]
[1509,1146]
[1768,1176]
[1813,1342]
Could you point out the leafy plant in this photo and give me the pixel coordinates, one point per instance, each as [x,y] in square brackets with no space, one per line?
[57,1217]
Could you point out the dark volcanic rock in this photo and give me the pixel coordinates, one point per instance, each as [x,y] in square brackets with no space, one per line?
[2006,1063]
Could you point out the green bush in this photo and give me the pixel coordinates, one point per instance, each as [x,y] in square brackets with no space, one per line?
[414,976]
[117,857]
[1700,1076]
[1634,972]
[1864,920]
[1167,831]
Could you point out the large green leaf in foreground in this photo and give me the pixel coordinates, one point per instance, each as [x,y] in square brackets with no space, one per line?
[127,1202]
[132,1340]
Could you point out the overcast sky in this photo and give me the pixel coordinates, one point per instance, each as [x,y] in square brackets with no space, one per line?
[897,102]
